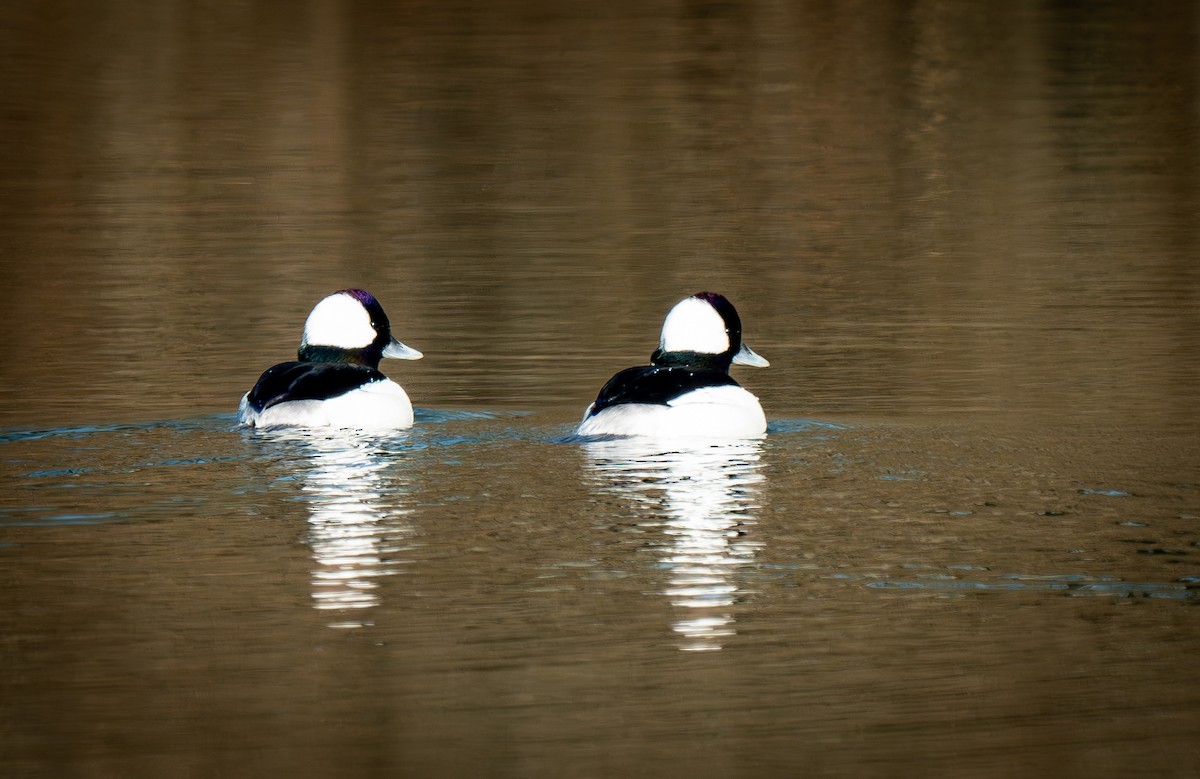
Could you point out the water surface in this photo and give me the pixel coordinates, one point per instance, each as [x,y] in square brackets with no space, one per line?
[966,238]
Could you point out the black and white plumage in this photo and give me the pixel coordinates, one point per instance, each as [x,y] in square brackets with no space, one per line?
[686,391]
[336,381]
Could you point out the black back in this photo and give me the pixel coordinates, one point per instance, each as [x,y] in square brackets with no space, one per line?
[657,385]
[308,381]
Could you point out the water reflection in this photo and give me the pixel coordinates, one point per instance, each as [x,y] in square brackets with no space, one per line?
[703,498]
[358,528]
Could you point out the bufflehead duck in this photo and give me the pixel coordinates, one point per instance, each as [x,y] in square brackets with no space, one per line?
[686,391]
[336,380]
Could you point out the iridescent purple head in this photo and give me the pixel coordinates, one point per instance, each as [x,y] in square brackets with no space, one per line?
[351,326]
[704,330]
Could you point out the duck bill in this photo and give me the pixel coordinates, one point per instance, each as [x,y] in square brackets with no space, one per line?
[399,351]
[748,356]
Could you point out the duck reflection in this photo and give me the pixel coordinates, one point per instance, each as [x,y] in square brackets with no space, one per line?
[703,498]
[358,530]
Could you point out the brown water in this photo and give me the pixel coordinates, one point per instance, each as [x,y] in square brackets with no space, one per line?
[966,237]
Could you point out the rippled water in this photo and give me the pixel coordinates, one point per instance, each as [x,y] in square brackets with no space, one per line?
[487,593]
[965,237]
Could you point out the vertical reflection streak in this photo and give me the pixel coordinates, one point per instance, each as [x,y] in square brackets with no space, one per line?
[357,526]
[703,499]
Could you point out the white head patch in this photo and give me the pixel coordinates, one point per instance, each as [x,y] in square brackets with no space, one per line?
[339,320]
[694,326]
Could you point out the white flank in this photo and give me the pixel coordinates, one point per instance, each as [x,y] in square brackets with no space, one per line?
[694,326]
[380,405]
[339,320]
[711,413]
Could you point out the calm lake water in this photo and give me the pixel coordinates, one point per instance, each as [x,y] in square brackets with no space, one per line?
[965,235]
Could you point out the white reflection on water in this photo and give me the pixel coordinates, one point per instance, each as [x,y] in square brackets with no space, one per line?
[703,498]
[357,528]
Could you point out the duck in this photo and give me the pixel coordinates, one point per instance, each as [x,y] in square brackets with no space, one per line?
[335,382]
[686,390]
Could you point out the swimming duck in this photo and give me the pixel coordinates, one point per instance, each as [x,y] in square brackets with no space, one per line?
[335,380]
[686,391]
